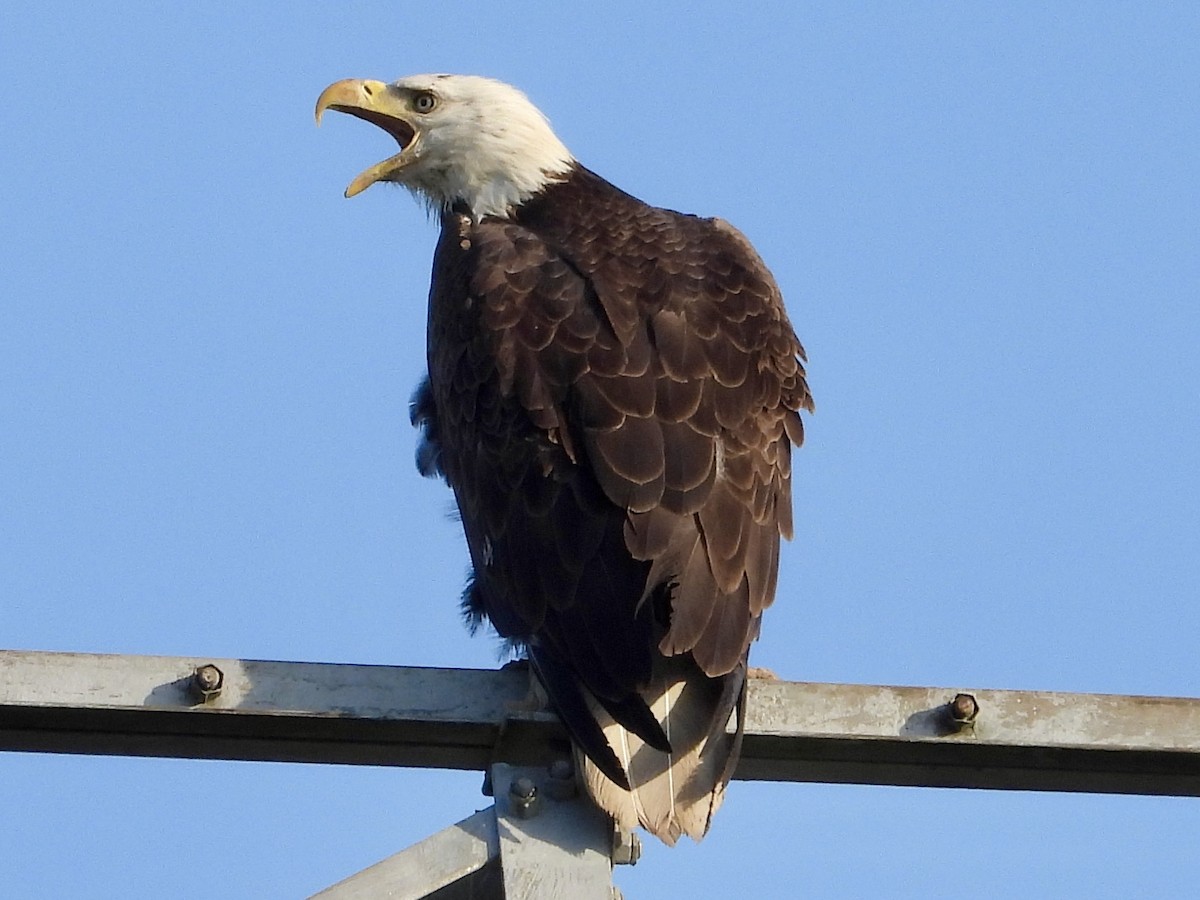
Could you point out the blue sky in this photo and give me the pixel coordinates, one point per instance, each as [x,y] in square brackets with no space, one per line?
[985,222]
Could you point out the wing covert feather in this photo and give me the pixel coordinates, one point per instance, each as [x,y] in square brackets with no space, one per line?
[676,377]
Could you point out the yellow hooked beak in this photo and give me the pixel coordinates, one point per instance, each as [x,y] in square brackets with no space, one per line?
[381,105]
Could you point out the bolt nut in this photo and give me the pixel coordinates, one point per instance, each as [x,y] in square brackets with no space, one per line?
[206,683]
[523,798]
[963,709]
[626,847]
[561,785]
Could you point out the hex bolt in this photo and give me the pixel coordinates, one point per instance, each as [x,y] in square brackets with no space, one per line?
[561,785]
[206,683]
[626,847]
[963,709]
[523,798]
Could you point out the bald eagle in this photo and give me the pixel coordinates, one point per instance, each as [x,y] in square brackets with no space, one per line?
[613,394]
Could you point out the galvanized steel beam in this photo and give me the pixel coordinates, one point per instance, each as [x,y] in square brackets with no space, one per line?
[461,862]
[470,719]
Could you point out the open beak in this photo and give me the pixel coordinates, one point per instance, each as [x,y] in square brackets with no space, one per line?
[379,104]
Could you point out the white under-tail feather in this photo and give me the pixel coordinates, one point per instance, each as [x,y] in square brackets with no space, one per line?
[673,793]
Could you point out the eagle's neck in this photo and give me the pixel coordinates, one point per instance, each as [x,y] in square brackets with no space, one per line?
[498,171]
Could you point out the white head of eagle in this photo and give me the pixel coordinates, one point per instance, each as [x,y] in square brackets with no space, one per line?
[613,395]
[463,138]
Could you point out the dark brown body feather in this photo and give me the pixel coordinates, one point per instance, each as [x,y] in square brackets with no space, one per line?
[613,395]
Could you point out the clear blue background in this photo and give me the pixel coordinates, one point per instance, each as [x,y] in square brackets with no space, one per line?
[984,218]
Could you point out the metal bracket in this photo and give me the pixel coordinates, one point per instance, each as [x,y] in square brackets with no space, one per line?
[530,844]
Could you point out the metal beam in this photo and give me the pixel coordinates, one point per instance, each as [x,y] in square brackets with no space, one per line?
[540,839]
[450,865]
[279,711]
[469,719]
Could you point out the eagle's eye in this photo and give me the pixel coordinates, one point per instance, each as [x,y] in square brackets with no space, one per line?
[424,102]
